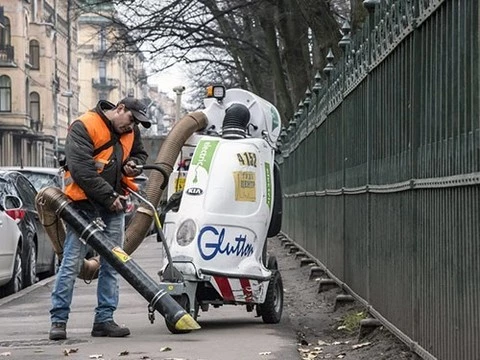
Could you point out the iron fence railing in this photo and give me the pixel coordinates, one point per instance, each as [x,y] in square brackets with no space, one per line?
[381,172]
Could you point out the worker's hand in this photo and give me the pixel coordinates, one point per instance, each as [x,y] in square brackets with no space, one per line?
[117,204]
[130,169]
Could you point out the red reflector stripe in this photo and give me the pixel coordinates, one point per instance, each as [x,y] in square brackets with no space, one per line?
[247,289]
[225,288]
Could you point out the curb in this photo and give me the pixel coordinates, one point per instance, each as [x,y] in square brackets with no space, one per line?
[27,290]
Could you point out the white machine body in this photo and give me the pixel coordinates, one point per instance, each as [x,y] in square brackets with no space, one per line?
[219,232]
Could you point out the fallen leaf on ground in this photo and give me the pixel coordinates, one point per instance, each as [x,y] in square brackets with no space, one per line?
[67,352]
[96,356]
[263,353]
[358,346]
[165,348]
[124,353]
[7,353]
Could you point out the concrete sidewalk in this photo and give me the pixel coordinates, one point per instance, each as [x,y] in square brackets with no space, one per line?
[227,333]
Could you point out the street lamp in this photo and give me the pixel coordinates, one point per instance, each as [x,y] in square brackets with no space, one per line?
[178,90]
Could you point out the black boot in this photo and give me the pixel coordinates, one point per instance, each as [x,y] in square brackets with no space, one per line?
[109,328]
[58,331]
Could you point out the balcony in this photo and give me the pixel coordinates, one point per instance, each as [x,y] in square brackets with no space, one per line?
[7,55]
[105,83]
[101,52]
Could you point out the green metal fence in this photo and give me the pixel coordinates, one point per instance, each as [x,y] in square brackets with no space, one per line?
[381,172]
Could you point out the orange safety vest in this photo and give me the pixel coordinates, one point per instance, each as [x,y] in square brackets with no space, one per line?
[100,135]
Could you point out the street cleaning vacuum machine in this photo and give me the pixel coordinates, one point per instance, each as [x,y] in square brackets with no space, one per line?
[223,200]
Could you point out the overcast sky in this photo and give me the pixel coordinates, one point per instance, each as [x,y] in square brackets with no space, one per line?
[168,79]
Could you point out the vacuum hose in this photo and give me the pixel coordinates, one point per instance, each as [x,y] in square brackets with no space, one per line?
[91,233]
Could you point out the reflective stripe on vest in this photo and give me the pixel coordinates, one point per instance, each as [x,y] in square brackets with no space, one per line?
[99,134]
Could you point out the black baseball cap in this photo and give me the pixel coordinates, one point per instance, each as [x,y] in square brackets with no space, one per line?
[138,109]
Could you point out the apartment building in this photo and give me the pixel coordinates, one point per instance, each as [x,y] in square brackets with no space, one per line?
[110,68]
[37,79]
[58,58]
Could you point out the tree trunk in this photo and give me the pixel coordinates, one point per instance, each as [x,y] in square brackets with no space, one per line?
[358,14]
[283,99]
[294,32]
[319,17]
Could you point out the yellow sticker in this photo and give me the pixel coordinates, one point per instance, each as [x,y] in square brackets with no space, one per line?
[179,184]
[121,254]
[245,189]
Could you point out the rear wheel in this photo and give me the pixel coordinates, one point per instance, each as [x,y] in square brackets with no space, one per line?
[272,263]
[184,302]
[271,309]
[16,282]
[30,265]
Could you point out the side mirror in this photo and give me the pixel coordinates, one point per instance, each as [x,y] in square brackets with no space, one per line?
[11,202]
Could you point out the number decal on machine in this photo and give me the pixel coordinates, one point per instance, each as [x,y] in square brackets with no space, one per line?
[245,188]
[247,159]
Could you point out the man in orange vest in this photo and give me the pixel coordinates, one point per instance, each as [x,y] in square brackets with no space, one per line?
[102,148]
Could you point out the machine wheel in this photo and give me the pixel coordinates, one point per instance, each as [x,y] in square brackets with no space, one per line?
[184,302]
[271,309]
[30,270]
[272,263]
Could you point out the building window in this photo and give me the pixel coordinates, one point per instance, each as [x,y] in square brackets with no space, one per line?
[35,54]
[5,34]
[34,10]
[103,39]
[5,94]
[102,67]
[35,107]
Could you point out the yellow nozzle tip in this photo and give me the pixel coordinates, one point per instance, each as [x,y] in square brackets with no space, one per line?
[187,322]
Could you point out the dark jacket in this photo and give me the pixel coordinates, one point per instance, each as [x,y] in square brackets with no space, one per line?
[99,187]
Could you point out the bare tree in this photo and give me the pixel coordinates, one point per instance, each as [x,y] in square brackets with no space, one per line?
[271,47]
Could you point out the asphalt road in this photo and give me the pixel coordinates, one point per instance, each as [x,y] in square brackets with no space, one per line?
[227,333]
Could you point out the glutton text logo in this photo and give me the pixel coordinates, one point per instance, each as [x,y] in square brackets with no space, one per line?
[203,157]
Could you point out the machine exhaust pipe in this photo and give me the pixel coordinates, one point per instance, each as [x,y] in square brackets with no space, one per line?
[55,200]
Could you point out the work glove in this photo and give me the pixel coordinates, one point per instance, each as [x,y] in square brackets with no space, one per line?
[130,169]
[118,203]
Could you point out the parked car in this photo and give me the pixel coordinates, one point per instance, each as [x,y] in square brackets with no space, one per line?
[11,271]
[40,177]
[38,256]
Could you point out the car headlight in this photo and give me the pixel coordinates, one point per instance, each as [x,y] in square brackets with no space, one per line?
[186,232]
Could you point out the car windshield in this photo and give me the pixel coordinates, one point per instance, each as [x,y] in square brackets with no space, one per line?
[5,189]
[41,180]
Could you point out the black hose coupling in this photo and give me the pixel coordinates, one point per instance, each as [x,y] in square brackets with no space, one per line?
[235,122]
